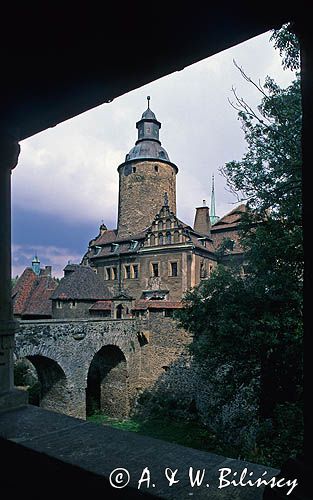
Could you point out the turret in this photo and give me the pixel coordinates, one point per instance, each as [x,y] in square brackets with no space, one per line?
[143,178]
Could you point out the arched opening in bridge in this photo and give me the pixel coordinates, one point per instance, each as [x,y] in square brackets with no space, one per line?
[45,381]
[107,384]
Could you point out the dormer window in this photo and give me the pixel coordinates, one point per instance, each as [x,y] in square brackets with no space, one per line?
[133,245]
[97,250]
[114,247]
[202,241]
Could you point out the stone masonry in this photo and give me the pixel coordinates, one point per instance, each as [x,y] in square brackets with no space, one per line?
[132,355]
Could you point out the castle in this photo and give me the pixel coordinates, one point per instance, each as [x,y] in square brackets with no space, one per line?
[152,258]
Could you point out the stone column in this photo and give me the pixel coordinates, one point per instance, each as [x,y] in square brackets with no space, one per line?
[9,397]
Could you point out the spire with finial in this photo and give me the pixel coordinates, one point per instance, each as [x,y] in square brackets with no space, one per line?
[148,144]
[213,217]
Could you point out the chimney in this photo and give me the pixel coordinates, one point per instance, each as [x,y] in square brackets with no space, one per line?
[202,222]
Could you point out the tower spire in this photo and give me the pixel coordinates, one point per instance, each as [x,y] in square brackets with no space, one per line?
[148,99]
[213,215]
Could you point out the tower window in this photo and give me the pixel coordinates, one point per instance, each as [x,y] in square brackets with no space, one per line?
[160,239]
[127,272]
[73,304]
[134,170]
[135,271]
[155,269]
[59,304]
[168,238]
[156,168]
[108,273]
[173,269]
[114,273]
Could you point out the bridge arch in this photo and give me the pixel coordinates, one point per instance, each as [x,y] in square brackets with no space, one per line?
[107,383]
[52,391]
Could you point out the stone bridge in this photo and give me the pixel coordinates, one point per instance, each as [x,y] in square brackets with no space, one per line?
[88,365]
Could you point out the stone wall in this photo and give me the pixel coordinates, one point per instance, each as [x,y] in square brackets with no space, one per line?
[126,356]
[142,185]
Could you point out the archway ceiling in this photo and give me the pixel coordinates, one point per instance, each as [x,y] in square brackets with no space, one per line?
[56,64]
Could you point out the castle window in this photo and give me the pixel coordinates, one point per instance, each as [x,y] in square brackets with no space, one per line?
[168,313]
[114,247]
[152,240]
[173,269]
[168,238]
[168,223]
[134,170]
[160,225]
[176,236]
[155,269]
[73,304]
[135,271]
[114,273]
[127,272]
[58,304]
[133,245]
[108,273]
[160,239]
[156,168]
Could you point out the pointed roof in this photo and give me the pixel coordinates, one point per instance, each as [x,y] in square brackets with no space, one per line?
[213,217]
[82,283]
[148,145]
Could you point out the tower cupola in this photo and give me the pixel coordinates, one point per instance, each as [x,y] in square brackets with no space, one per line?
[148,144]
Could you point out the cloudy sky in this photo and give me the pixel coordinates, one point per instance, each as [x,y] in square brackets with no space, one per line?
[66,182]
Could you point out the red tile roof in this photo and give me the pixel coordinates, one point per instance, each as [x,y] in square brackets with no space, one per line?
[142,305]
[31,294]
[101,305]
[22,290]
[232,218]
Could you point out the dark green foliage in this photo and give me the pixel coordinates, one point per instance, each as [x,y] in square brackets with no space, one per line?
[252,323]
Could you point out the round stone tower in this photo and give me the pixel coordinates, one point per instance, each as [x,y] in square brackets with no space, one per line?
[144,178]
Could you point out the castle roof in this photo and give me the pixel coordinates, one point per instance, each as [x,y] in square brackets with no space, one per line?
[143,305]
[232,218]
[81,284]
[148,145]
[31,294]
[101,305]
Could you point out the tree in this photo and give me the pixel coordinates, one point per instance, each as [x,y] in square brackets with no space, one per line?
[254,322]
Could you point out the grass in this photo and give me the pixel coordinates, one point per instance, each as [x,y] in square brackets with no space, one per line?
[191,434]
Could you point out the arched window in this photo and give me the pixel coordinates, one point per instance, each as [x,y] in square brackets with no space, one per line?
[168,223]
[168,238]
[152,240]
[176,236]
[160,239]
[160,224]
